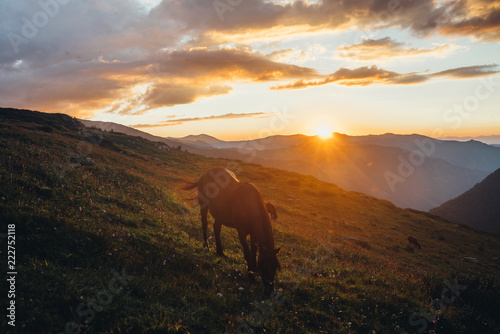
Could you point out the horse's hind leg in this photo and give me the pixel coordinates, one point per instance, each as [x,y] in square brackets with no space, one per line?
[218,243]
[204,225]
[253,267]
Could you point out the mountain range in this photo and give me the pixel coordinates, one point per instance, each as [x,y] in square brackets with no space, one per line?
[412,171]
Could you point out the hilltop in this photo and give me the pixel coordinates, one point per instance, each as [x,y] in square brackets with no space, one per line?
[107,241]
[478,207]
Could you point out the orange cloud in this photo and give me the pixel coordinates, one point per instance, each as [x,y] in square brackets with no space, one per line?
[159,80]
[377,49]
[478,18]
[179,121]
[225,64]
[364,76]
[184,76]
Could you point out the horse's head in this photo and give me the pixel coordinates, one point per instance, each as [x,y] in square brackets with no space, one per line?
[267,265]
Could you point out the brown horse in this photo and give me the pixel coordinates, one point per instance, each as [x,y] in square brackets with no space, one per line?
[413,241]
[239,205]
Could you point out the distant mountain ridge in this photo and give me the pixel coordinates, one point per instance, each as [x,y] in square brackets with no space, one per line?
[471,154]
[375,164]
[411,171]
[478,207]
[267,143]
[490,140]
[479,156]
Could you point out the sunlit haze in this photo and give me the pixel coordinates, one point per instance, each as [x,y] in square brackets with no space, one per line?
[323,131]
[253,68]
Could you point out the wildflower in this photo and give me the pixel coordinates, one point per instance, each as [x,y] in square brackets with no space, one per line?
[219,295]
[146,268]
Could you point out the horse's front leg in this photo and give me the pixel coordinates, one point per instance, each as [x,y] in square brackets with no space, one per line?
[204,226]
[218,243]
[246,251]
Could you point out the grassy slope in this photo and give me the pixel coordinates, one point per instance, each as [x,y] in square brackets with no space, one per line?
[346,264]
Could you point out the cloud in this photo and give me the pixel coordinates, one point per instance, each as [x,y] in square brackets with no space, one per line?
[469,71]
[126,58]
[179,121]
[168,95]
[344,76]
[170,78]
[364,76]
[479,18]
[383,48]
[226,64]
[184,76]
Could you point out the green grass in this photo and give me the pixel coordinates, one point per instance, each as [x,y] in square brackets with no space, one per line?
[86,203]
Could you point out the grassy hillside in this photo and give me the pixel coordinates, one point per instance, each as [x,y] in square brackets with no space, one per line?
[106,242]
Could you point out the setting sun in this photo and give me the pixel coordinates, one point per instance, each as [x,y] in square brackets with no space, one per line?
[323,131]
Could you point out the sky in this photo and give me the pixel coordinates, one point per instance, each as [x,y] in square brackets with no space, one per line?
[242,69]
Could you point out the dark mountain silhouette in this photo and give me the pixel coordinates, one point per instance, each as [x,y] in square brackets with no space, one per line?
[478,207]
[44,122]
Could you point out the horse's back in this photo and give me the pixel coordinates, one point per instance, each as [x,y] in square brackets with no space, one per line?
[219,175]
[215,190]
